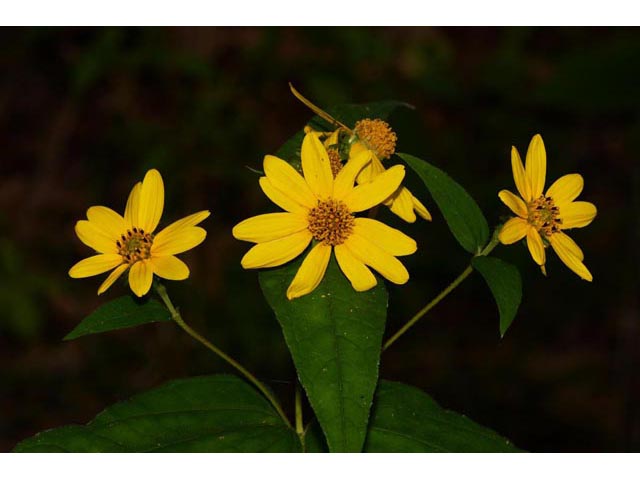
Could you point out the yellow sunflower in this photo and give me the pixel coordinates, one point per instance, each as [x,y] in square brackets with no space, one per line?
[542,219]
[129,242]
[377,136]
[320,207]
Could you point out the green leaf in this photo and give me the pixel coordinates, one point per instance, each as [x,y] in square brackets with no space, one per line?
[123,312]
[314,441]
[505,284]
[461,212]
[218,413]
[405,419]
[347,114]
[334,335]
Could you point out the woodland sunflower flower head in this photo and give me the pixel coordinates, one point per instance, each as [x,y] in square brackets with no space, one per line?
[543,217]
[377,137]
[130,242]
[401,202]
[381,141]
[320,209]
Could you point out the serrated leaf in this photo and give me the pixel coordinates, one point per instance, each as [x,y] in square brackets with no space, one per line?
[462,214]
[348,114]
[218,413]
[505,284]
[123,312]
[405,419]
[334,335]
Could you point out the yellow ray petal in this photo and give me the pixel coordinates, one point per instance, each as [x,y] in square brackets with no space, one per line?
[169,267]
[519,176]
[514,202]
[536,247]
[140,277]
[316,166]
[513,230]
[151,201]
[371,171]
[387,265]
[572,258]
[333,138]
[185,222]
[343,183]
[133,206]
[280,198]
[91,236]
[536,165]
[113,276]
[569,244]
[566,189]
[388,239]
[311,271]
[285,178]
[270,226]
[177,241]
[276,252]
[401,203]
[107,221]
[357,272]
[95,265]
[420,208]
[577,214]
[367,195]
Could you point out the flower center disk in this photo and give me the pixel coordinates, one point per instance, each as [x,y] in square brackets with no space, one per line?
[331,222]
[544,215]
[135,245]
[378,135]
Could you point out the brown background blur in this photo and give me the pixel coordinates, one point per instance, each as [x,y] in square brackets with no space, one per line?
[85,112]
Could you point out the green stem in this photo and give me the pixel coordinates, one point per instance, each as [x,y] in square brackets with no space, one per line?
[175,315]
[299,423]
[459,279]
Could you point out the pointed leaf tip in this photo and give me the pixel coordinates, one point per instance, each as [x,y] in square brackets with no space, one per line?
[505,284]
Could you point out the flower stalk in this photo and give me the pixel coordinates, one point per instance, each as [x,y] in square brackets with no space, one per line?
[452,286]
[299,421]
[177,317]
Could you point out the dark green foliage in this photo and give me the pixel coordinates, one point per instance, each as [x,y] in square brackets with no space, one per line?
[505,284]
[465,219]
[123,312]
[334,335]
[219,413]
[405,419]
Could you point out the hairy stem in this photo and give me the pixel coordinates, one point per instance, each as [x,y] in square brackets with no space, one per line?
[299,423]
[177,317]
[459,279]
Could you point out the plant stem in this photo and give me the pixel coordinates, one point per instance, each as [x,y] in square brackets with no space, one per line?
[175,315]
[299,423]
[459,279]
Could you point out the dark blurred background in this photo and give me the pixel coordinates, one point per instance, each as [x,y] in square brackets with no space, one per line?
[85,112]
